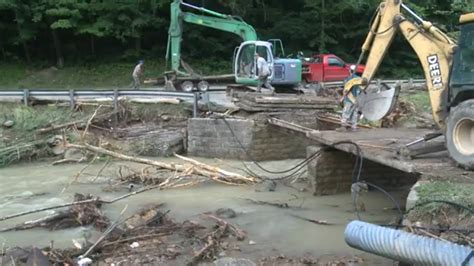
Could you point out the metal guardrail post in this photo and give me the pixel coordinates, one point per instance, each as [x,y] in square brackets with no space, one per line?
[115,100]
[195,104]
[26,95]
[71,99]
[205,97]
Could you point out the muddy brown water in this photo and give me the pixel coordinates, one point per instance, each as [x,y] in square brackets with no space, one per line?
[35,185]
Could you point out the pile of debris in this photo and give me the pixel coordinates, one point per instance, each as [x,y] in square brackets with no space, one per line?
[85,210]
[146,237]
[257,102]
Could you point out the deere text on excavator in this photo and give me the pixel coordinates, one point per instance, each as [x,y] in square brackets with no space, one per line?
[448,68]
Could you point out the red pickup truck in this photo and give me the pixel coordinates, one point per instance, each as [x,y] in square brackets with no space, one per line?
[325,68]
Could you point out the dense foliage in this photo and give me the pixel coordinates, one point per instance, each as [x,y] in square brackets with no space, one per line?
[76,31]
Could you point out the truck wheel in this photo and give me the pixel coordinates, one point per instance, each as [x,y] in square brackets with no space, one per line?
[460,134]
[203,86]
[187,86]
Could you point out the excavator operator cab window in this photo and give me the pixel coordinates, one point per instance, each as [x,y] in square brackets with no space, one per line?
[463,65]
[263,52]
[245,61]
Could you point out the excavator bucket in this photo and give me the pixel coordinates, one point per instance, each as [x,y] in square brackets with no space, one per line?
[376,103]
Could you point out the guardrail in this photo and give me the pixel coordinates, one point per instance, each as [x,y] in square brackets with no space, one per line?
[73,95]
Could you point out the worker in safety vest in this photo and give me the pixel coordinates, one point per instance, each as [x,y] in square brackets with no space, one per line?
[350,111]
[263,73]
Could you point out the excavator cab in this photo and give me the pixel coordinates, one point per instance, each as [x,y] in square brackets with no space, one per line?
[462,73]
[245,64]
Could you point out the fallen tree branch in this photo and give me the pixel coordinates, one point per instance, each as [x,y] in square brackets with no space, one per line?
[107,232]
[320,222]
[89,121]
[69,124]
[35,223]
[278,205]
[211,172]
[212,241]
[239,233]
[94,200]
[50,208]
[135,238]
[210,168]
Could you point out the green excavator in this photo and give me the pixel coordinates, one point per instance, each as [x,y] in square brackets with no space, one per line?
[284,71]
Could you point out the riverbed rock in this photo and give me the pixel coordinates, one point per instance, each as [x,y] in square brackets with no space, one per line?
[18,254]
[57,144]
[413,197]
[37,258]
[234,262]
[8,124]
[266,186]
[225,213]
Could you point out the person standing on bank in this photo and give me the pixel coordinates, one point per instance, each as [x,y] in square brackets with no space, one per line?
[137,73]
[263,73]
[350,112]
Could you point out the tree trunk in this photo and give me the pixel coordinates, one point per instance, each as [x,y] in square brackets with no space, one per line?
[92,45]
[323,37]
[2,50]
[138,45]
[22,42]
[57,48]
[26,51]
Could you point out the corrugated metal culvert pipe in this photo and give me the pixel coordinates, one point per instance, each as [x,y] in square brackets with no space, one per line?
[405,247]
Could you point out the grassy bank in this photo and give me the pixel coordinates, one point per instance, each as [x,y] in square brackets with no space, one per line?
[23,142]
[20,142]
[100,75]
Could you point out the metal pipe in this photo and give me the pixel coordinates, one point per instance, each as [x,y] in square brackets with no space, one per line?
[405,247]
[412,13]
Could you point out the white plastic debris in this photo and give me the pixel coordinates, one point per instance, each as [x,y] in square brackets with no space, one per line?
[134,245]
[84,261]
[77,244]
[251,242]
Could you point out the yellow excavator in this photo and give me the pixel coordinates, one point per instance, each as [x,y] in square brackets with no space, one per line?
[448,67]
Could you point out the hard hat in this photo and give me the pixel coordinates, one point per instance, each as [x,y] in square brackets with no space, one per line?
[353,67]
[141,61]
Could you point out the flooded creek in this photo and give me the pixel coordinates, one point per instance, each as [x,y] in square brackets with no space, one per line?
[274,230]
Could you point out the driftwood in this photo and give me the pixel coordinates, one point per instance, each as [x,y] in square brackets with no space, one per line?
[197,168]
[84,210]
[82,202]
[106,233]
[274,204]
[73,123]
[212,242]
[239,233]
[321,222]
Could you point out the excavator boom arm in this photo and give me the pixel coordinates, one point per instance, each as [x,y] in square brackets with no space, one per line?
[433,48]
[212,20]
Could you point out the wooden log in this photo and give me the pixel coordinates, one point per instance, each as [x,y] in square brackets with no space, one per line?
[211,172]
[239,233]
[293,100]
